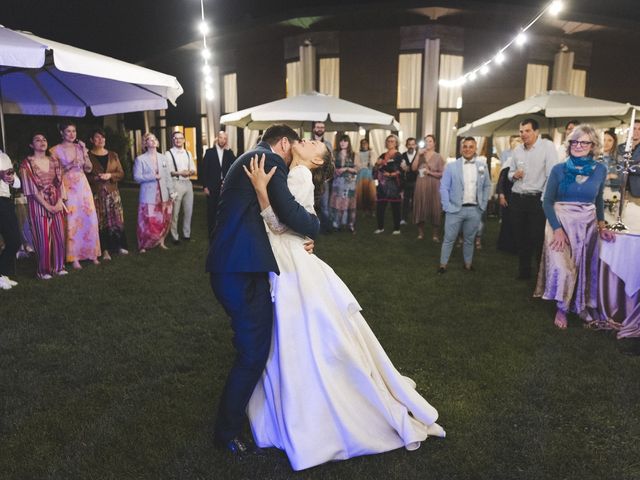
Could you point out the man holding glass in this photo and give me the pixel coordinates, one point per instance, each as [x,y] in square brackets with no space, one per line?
[530,166]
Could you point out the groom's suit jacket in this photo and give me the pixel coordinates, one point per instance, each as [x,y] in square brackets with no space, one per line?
[240,242]
[452,186]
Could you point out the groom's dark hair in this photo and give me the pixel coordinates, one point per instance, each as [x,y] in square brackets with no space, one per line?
[275,133]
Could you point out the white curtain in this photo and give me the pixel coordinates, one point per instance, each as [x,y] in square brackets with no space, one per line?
[250,138]
[447,137]
[294,79]
[408,125]
[451,67]
[409,80]
[230,86]
[330,76]
[376,142]
[578,82]
[537,79]
[355,138]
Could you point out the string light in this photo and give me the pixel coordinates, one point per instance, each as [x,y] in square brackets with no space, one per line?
[553,8]
[206,54]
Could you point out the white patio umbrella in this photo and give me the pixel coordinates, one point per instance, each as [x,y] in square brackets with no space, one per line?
[552,109]
[43,77]
[301,110]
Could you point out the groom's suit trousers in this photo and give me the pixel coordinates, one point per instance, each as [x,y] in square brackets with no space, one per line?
[246,297]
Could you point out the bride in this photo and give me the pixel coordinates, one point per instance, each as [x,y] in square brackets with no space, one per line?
[329,390]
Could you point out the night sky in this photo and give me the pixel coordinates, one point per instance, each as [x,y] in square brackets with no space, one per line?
[134,30]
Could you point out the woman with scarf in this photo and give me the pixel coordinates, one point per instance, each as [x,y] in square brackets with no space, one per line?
[387,172]
[574,208]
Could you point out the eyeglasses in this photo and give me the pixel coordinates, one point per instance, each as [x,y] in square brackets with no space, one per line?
[582,143]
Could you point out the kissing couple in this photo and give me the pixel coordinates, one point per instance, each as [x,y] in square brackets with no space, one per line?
[309,373]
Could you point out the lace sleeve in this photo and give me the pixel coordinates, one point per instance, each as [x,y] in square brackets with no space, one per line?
[272,221]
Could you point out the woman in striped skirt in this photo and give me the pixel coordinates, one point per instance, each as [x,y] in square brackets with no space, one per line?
[41,177]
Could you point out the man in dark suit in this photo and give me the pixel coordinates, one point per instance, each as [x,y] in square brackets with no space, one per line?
[408,179]
[239,261]
[216,164]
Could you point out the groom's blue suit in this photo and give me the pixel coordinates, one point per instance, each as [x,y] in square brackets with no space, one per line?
[238,262]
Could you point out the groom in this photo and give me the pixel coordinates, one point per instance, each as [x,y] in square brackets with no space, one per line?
[239,262]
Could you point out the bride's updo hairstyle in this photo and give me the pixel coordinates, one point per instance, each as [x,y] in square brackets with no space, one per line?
[321,174]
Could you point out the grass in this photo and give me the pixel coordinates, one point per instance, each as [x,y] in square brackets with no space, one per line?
[114,372]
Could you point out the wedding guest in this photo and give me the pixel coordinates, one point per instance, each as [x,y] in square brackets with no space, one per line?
[427,207]
[42,183]
[574,207]
[506,241]
[464,191]
[365,187]
[215,165]
[182,168]
[610,160]
[408,178]
[107,171]
[22,214]
[533,161]
[9,229]
[387,172]
[83,240]
[151,171]
[322,195]
[563,152]
[343,187]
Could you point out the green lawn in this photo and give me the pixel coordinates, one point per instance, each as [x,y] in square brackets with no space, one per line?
[114,372]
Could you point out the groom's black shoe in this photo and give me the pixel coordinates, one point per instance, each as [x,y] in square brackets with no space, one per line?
[239,448]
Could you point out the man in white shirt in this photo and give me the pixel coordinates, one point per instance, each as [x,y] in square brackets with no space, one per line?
[531,162]
[8,222]
[182,168]
[464,193]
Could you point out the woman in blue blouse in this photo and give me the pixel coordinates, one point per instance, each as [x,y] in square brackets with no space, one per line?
[574,209]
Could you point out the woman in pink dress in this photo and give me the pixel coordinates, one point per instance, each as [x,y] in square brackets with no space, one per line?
[151,171]
[83,241]
[426,196]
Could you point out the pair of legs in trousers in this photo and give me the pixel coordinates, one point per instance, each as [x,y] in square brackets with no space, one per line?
[528,220]
[184,189]
[11,234]
[407,201]
[395,210]
[246,297]
[467,220]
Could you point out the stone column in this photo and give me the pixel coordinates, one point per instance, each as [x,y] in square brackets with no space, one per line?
[430,78]
[308,66]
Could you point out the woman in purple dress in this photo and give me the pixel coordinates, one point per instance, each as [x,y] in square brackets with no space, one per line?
[574,208]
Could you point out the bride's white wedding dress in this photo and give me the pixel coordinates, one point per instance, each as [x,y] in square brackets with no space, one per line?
[329,390]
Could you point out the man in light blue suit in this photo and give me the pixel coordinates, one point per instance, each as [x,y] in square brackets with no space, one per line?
[464,192]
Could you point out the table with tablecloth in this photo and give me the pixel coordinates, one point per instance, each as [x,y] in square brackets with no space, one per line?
[619,283]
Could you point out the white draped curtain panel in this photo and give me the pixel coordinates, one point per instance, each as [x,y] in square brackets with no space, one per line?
[376,142]
[578,82]
[409,80]
[450,68]
[294,79]
[537,79]
[408,125]
[230,104]
[329,73]
[250,138]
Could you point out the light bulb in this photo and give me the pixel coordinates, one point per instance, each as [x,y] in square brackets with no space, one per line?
[556,7]
[203,27]
[484,69]
[521,39]
[206,53]
[473,76]
[500,58]
[206,69]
